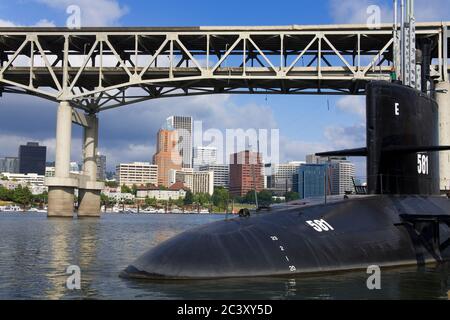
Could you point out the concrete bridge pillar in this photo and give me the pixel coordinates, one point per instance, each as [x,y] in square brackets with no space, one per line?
[89,188]
[443,99]
[62,186]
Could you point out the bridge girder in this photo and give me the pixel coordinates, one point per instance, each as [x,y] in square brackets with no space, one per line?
[100,69]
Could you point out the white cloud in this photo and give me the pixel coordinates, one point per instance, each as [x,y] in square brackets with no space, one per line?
[352,11]
[93,13]
[353,105]
[40,23]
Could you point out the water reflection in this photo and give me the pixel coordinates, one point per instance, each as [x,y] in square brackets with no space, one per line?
[35,253]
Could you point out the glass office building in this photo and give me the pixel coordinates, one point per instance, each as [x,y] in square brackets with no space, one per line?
[311,180]
[32,158]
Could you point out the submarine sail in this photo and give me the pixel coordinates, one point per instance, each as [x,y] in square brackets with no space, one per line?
[403,221]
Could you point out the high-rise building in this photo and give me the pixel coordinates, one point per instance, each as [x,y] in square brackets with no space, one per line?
[9,164]
[136,173]
[101,167]
[196,181]
[221,174]
[246,173]
[167,157]
[311,181]
[281,177]
[342,172]
[32,158]
[204,156]
[183,126]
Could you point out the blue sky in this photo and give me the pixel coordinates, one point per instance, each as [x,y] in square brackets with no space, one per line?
[306,125]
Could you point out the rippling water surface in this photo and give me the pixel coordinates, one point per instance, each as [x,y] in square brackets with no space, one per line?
[35,252]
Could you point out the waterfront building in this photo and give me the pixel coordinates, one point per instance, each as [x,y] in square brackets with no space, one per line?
[34,182]
[32,158]
[342,172]
[183,126]
[281,177]
[221,174]
[246,173]
[196,181]
[9,164]
[118,196]
[101,167]
[136,173]
[175,192]
[311,181]
[167,156]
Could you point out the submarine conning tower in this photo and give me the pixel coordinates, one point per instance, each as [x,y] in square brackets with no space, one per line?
[402,134]
[402,141]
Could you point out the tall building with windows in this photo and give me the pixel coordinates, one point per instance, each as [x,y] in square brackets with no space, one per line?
[311,181]
[183,126]
[196,181]
[342,172]
[246,173]
[101,167]
[221,174]
[204,156]
[9,164]
[136,173]
[281,178]
[32,158]
[167,156]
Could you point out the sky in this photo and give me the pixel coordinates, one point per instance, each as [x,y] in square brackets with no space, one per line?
[306,123]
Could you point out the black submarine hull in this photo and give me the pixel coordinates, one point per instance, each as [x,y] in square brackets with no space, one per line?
[361,232]
[401,222]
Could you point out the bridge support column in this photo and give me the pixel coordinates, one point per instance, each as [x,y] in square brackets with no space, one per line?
[89,188]
[61,187]
[443,99]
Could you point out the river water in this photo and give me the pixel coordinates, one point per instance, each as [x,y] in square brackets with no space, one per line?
[35,253]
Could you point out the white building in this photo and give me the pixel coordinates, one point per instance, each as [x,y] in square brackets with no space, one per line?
[342,172]
[183,125]
[137,173]
[221,174]
[196,181]
[34,182]
[30,178]
[204,156]
[9,164]
[114,193]
[175,192]
[281,176]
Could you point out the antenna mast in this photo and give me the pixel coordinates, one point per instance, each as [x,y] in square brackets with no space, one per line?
[405,45]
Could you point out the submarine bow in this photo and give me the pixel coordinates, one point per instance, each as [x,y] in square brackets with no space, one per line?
[402,222]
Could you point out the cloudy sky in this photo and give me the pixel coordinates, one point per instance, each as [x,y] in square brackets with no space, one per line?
[128,134]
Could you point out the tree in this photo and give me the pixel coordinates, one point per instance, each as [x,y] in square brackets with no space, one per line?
[291,196]
[5,194]
[22,195]
[111,184]
[188,198]
[134,189]
[265,198]
[125,189]
[250,197]
[220,198]
[151,202]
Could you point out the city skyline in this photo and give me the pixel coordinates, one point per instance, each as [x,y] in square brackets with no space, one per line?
[321,123]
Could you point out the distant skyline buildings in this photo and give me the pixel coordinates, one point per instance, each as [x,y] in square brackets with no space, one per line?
[246,173]
[183,126]
[32,158]
[101,167]
[9,164]
[167,155]
[203,156]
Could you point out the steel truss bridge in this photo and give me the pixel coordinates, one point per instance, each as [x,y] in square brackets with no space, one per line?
[104,68]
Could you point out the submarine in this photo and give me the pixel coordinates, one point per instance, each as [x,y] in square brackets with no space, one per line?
[402,220]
